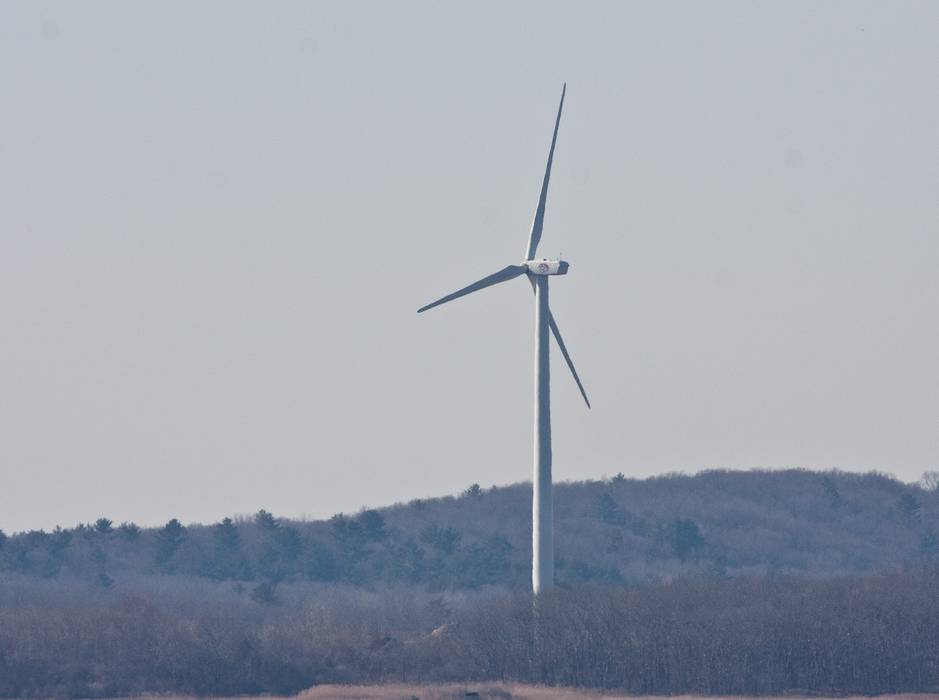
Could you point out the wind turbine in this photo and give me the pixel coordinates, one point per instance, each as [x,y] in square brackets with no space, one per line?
[538,273]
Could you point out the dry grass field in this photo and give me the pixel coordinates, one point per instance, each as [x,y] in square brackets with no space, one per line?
[507,691]
[510,691]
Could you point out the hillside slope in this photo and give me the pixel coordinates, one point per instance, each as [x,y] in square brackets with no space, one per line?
[619,532]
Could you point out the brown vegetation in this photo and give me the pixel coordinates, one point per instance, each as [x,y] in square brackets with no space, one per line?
[517,691]
[747,636]
[505,691]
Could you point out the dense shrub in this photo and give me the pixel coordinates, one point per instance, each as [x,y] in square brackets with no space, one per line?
[844,635]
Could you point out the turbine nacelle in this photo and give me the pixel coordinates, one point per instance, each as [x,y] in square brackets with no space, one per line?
[547,267]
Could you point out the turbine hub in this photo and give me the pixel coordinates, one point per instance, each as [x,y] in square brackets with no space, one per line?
[547,267]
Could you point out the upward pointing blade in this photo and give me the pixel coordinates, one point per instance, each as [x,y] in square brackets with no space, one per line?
[503,275]
[538,223]
[567,357]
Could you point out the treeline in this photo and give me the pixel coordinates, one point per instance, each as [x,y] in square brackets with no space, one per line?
[618,532]
[750,635]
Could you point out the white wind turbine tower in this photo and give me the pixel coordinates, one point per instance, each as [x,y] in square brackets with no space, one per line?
[538,272]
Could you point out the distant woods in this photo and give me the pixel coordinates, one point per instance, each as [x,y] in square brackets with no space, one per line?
[618,532]
[719,583]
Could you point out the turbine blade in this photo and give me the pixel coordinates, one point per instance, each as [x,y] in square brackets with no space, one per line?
[567,357]
[552,324]
[503,275]
[538,223]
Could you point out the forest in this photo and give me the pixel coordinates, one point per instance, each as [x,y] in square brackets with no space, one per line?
[759,582]
[749,635]
[617,532]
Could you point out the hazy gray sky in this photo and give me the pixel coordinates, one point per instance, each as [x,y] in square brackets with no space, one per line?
[218,219]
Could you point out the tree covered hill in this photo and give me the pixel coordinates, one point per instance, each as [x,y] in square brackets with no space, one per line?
[620,532]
